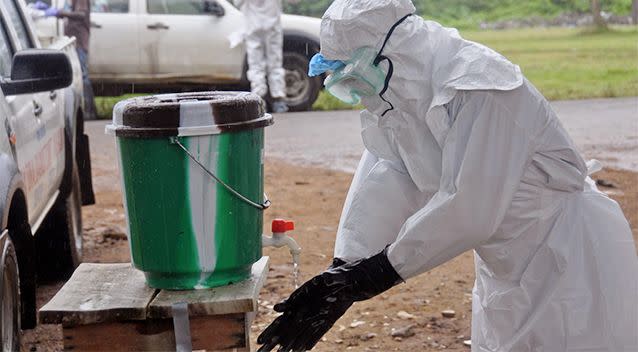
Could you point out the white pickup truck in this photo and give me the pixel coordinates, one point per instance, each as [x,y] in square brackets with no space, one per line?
[45,173]
[158,45]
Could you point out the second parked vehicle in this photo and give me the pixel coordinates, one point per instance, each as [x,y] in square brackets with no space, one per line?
[153,45]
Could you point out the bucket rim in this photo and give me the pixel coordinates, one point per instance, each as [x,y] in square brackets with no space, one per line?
[188,114]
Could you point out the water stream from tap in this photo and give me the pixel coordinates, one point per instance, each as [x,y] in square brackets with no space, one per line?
[295,273]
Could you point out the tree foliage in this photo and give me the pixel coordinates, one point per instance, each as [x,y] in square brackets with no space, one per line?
[314,8]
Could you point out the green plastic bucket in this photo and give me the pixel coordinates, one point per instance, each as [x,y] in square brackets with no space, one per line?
[192,181]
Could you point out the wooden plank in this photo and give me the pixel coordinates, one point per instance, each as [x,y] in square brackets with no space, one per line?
[238,298]
[99,293]
[215,333]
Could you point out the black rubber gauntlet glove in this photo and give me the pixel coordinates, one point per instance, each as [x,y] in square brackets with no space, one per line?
[315,307]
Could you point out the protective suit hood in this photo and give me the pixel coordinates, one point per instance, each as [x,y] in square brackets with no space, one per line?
[431,64]
[422,51]
[349,25]
[447,61]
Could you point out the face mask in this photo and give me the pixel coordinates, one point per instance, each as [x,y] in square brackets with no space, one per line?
[361,76]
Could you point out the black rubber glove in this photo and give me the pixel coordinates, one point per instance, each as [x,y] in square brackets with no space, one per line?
[315,307]
[337,262]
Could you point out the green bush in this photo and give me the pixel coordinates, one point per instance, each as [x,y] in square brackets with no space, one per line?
[104,105]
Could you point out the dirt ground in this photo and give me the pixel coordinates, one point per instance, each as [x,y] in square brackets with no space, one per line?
[313,199]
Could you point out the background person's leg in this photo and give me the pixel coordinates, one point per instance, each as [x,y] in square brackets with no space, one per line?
[275,61]
[276,72]
[256,64]
[90,111]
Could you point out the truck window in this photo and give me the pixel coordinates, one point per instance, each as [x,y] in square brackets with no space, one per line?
[6,52]
[19,23]
[175,7]
[109,6]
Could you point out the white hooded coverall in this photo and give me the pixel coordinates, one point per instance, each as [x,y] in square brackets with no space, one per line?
[264,46]
[473,157]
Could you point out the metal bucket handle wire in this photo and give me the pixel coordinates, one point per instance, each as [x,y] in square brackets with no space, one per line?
[265,205]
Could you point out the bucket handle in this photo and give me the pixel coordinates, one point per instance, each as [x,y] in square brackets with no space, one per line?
[265,205]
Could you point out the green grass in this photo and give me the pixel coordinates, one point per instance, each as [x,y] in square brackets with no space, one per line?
[562,63]
[571,63]
[326,102]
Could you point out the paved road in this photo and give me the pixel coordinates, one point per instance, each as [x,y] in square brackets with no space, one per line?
[606,129]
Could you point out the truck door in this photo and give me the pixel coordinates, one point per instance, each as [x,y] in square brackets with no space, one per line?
[36,120]
[185,39]
[114,47]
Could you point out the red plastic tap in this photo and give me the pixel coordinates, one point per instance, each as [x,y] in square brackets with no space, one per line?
[282,226]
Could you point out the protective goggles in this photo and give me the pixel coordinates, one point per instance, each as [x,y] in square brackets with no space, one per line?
[360,76]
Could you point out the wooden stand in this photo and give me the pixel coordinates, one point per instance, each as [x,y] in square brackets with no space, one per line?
[109,307]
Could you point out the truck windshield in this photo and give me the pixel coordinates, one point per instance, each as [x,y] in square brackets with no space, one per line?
[19,24]
[6,52]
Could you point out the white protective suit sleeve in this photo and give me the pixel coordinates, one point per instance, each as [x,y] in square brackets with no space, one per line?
[484,156]
[381,197]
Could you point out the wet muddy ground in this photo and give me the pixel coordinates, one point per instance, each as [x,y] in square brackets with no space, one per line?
[313,198]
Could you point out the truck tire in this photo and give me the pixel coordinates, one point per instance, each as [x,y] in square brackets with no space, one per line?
[301,90]
[59,241]
[9,299]
[83,161]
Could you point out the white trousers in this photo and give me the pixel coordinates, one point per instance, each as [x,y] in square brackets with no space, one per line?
[265,62]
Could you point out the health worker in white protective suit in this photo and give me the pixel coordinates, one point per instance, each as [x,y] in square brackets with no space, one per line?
[464,153]
[264,47]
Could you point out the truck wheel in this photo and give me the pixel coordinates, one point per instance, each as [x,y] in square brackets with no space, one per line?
[301,90]
[59,242]
[9,300]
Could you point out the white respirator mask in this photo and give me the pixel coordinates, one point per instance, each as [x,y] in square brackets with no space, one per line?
[361,76]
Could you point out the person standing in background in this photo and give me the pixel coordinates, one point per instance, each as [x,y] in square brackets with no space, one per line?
[264,45]
[78,25]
